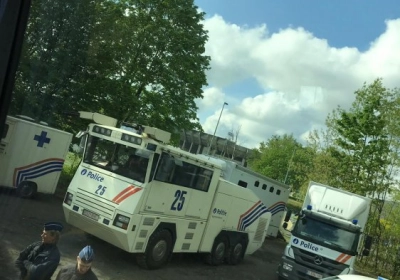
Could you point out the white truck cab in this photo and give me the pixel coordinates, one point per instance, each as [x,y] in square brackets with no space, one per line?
[327,235]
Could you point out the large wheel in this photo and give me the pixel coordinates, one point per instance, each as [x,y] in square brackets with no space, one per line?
[27,189]
[158,250]
[218,251]
[236,252]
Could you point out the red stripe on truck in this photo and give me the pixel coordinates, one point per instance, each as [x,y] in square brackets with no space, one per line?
[131,190]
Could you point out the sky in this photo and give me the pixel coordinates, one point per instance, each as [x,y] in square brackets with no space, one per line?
[282,66]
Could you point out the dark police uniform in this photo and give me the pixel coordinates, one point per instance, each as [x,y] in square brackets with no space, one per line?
[70,273]
[38,261]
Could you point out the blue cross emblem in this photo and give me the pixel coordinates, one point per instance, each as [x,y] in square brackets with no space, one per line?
[42,138]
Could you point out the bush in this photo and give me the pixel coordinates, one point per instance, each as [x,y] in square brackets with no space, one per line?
[70,166]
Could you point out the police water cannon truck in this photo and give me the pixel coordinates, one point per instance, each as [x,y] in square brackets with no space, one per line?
[135,191]
[327,236]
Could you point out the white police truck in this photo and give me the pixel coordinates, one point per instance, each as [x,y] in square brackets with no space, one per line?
[135,191]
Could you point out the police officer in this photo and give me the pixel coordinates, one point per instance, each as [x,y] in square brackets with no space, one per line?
[82,269]
[40,259]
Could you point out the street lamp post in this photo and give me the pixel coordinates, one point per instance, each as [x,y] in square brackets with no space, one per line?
[216,127]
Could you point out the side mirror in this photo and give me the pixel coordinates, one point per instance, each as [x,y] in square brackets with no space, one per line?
[80,134]
[367,245]
[288,215]
[285,224]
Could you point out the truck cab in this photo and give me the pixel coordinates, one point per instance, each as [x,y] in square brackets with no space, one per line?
[327,235]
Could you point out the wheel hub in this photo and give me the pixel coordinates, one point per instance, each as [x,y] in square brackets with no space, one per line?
[220,250]
[26,190]
[237,251]
[159,250]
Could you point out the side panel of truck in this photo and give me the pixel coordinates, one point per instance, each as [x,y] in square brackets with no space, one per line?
[38,154]
[272,193]
[179,201]
[236,211]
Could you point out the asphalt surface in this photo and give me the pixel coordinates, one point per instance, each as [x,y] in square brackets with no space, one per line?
[22,222]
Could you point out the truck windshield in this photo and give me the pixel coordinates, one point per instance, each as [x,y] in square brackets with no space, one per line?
[327,235]
[123,160]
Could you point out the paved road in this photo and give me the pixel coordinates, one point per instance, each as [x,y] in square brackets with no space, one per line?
[22,222]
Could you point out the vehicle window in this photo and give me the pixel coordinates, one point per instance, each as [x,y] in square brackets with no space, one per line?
[120,159]
[327,235]
[182,173]
[242,184]
[271,189]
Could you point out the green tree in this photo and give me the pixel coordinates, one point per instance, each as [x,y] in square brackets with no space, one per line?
[324,166]
[282,158]
[135,60]
[362,142]
[365,144]
[53,59]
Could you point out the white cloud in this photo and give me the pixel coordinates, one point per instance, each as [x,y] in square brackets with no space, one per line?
[229,47]
[211,97]
[303,77]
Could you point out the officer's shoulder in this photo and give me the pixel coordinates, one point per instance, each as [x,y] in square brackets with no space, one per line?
[35,244]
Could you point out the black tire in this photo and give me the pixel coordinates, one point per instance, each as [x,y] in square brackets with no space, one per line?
[158,251]
[27,189]
[236,252]
[218,252]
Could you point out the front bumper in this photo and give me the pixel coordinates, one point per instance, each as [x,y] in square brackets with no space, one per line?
[290,270]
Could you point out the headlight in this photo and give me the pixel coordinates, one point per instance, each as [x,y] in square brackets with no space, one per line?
[68,198]
[287,266]
[121,221]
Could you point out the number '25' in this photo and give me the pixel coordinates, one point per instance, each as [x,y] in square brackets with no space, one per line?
[179,200]
[100,190]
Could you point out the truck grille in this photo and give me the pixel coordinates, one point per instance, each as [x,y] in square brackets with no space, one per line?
[325,266]
[96,204]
